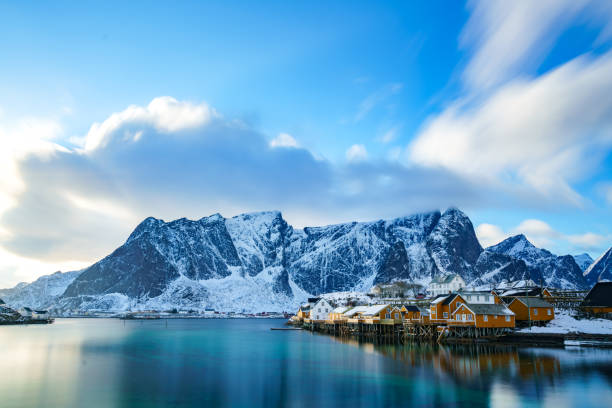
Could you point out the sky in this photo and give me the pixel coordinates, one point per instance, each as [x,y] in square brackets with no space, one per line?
[327,111]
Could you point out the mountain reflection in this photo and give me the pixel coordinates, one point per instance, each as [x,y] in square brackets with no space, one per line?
[241,363]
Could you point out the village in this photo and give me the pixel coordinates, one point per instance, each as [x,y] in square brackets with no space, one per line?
[452,312]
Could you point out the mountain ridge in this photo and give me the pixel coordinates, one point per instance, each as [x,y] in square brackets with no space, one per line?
[258,262]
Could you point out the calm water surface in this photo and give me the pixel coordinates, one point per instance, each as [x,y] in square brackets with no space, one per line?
[241,363]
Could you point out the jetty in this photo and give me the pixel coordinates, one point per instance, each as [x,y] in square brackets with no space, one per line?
[468,316]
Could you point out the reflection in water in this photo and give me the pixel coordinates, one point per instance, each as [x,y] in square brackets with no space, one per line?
[241,363]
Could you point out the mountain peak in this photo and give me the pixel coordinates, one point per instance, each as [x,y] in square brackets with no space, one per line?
[600,269]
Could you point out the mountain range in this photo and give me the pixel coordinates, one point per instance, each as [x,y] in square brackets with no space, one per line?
[258,262]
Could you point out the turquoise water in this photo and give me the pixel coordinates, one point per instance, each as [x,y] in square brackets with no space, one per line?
[242,363]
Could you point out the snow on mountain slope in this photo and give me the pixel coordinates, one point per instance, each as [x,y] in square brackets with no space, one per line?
[257,262]
[542,265]
[583,261]
[39,294]
[600,269]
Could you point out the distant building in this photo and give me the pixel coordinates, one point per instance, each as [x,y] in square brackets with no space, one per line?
[532,309]
[478,296]
[26,312]
[443,285]
[320,310]
[599,299]
[397,290]
[338,313]
[523,283]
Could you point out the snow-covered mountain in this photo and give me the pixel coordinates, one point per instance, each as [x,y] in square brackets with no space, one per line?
[583,261]
[542,265]
[40,294]
[257,262]
[600,269]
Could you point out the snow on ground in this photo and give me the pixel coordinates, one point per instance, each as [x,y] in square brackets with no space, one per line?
[342,298]
[565,323]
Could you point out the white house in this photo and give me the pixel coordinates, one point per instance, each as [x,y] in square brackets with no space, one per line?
[443,285]
[320,310]
[478,297]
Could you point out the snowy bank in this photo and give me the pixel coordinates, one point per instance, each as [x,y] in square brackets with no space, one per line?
[564,323]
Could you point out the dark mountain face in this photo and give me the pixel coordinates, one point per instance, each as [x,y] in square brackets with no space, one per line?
[543,266]
[396,266]
[258,262]
[600,270]
[453,244]
[583,261]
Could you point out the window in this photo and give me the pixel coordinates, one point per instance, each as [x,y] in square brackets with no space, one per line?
[507,318]
[535,312]
[387,316]
[469,317]
[446,315]
[549,313]
[486,318]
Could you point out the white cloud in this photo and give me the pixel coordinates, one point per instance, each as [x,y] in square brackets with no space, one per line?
[284,140]
[164,113]
[587,240]
[489,234]
[356,153]
[542,134]
[542,235]
[14,268]
[78,205]
[510,36]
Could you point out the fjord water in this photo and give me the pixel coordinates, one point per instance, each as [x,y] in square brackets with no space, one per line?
[242,363]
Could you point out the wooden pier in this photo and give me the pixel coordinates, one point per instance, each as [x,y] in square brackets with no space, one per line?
[405,330]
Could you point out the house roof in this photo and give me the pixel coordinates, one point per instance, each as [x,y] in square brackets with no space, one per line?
[444,278]
[305,307]
[438,300]
[374,310]
[341,309]
[533,301]
[487,309]
[474,292]
[599,295]
[449,299]
[412,308]
[537,291]
[357,309]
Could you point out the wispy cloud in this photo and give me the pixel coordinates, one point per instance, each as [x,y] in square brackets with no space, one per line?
[376,98]
[544,133]
[510,38]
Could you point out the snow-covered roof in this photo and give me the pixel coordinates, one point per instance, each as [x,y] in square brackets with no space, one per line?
[341,309]
[373,310]
[487,309]
[444,279]
[533,302]
[438,300]
[357,309]
[517,284]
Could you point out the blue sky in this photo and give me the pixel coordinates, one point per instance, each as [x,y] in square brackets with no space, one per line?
[328,112]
